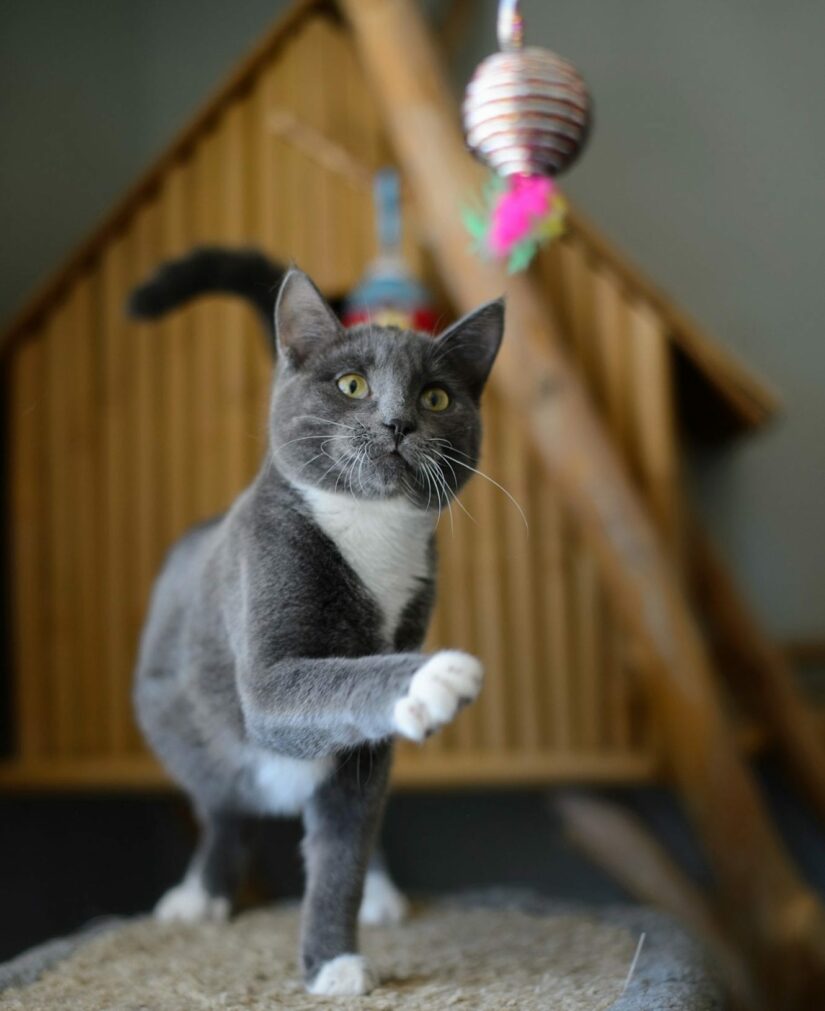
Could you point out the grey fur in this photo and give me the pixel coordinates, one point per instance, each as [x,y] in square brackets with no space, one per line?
[263,643]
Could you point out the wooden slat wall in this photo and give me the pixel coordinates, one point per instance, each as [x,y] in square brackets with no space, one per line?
[29,556]
[122,434]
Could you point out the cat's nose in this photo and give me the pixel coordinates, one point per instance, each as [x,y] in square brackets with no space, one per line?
[400,427]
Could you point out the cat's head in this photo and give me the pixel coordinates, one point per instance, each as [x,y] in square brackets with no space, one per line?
[378,412]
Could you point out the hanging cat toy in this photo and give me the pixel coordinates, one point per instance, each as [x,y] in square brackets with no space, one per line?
[527,114]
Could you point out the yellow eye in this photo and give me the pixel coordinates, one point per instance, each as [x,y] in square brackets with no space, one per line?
[353,385]
[434,398]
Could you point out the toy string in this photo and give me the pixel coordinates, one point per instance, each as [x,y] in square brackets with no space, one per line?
[510,26]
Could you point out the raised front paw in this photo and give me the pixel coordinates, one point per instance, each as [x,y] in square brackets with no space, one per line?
[447,681]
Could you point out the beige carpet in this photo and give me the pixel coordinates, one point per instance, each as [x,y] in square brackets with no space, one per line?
[473,959]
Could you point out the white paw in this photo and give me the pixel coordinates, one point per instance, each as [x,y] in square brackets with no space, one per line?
[382,902]
[345,976]
[189,902]
[448,680]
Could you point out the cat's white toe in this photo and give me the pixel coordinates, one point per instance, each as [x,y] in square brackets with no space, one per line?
[382,904]
[189,902]
[411,719]
[437,690]
[344,976]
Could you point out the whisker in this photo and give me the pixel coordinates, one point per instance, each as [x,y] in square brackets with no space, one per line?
[348,474]
[364,456]
[326,421]
[307,438]
[441,456]
[425,468]
[312,460]
[495,483]
[357,461]
[435,476]
[332,466]
[447,497]
[455,497]
[350,458]
[429,486]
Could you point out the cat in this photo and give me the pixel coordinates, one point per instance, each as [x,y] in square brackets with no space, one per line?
[281,652]
[256,279]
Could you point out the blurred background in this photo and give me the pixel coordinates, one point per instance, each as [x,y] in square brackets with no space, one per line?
[705,169]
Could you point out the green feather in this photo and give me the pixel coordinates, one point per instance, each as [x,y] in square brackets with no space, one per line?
[475,223]
[521,256]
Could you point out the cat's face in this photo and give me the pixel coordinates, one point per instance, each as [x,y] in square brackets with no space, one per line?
[377,412]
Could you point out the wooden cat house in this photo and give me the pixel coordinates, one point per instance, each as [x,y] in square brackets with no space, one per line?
[119,435]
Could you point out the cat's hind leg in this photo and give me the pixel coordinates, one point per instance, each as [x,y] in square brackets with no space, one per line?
[341,820]
[213,875]
[382,903]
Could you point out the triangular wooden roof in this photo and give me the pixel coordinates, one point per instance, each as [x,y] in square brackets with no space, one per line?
[718,395]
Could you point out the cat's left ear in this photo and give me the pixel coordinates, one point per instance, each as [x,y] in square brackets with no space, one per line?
[303,321]
[472,343]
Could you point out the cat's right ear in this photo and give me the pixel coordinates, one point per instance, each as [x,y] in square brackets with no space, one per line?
[304,322]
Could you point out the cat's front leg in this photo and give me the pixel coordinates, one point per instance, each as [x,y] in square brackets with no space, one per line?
[308,707]
[341,821]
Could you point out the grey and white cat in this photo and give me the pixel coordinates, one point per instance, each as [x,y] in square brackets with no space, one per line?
[281,654]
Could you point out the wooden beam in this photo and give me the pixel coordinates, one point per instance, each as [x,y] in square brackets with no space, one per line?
[780,922]
[453,25]
[620,843]
[757,670]
[805,652]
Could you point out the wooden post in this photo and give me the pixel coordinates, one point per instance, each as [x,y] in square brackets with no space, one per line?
[757,671]
[621,844]
[780,922]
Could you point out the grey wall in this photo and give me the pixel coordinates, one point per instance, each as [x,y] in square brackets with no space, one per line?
[89,93]
[707,166]
[68,90]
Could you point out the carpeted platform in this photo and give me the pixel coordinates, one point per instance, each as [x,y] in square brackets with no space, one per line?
[488,952]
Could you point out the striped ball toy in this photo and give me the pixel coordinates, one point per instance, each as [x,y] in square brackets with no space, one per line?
[527,115]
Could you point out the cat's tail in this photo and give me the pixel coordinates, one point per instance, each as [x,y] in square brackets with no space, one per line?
[210,270]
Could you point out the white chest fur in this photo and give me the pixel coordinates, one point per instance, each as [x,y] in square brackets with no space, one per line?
[386,542]
[282,785]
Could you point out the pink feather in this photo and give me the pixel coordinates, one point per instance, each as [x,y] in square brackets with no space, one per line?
[527,199]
